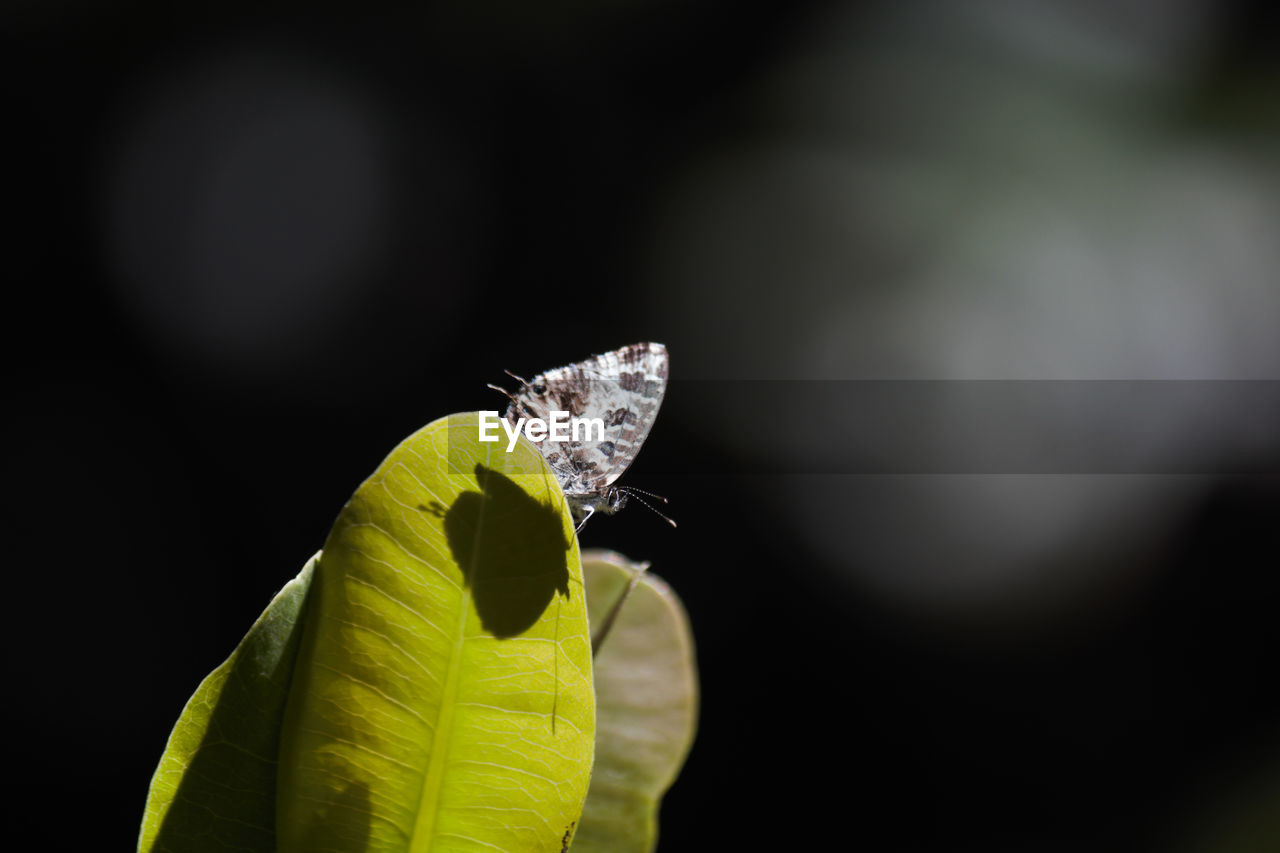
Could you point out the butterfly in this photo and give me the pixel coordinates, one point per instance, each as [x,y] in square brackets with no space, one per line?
[624,389]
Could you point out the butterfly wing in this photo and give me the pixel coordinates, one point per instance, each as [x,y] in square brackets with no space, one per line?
[623,388]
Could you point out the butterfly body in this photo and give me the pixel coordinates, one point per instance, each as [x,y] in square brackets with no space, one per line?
[624,389]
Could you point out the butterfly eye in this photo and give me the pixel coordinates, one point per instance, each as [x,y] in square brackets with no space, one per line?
[539,388]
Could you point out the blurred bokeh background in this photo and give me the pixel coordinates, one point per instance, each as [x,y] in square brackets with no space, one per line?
[250,248]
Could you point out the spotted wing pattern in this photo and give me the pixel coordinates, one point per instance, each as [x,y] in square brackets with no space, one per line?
[623,388]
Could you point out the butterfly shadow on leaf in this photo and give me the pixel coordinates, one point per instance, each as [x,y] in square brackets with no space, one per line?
[511,548]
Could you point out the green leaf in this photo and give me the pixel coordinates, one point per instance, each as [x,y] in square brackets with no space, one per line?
[214,789]
[646,704]
[442,698]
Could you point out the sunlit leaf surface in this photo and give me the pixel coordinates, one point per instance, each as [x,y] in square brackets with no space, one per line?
[437,693]
[442,699]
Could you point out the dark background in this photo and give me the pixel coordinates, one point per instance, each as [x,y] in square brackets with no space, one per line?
[249,250]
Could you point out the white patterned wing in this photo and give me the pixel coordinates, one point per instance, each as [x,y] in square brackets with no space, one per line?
[623,388]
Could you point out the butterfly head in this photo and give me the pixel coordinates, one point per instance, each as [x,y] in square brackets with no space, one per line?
[615,499]
[610,501]
[607,502]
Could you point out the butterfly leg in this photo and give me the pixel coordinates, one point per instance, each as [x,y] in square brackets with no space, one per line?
[590,512]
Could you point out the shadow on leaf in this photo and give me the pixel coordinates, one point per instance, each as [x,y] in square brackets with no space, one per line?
[512,550]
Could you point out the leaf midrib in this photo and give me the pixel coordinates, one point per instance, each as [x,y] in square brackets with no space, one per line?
[432,787]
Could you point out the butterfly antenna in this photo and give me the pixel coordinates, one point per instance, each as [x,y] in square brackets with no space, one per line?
[523,382]
[668,519]
[633,490]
